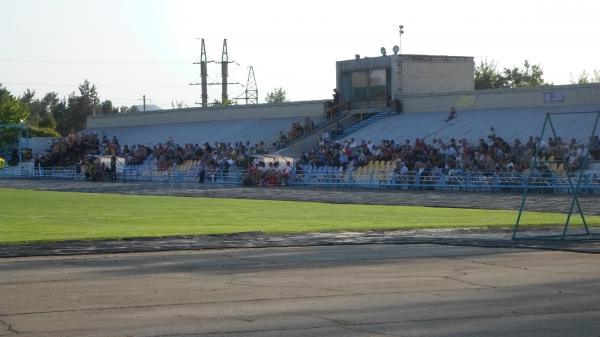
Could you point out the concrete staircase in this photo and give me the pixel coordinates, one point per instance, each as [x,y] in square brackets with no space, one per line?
[350,121]
[372,119]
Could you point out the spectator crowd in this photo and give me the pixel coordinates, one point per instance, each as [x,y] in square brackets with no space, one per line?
[69,150]
[494,155]
[491,155]
[84,150]
[297,130]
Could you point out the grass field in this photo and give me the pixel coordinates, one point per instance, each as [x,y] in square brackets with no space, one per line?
[31,216]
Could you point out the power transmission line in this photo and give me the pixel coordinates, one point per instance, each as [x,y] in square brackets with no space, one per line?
[144,99]
[203,75]
[96,36]
[97,84]
[92,62]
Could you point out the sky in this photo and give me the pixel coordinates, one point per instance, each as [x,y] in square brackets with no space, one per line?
[131,48]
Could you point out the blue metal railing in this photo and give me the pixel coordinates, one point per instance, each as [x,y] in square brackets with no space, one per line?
[467,181]
[332,177]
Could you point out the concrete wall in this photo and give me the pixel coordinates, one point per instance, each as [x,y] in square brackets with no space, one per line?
[414,74]
[313,109]
[425,74]
[555,96]
[38,145]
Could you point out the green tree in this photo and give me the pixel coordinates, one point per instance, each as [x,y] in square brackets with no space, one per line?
[40,114]
[62,115]
[107,108]
[487,76]
[82,106]
[216,102]
[12,110]
[33,105]
[49,102]
[127,109]
[584,77]
[596,76]
[526,77]
[278,95]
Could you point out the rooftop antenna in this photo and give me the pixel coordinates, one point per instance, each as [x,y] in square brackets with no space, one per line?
[400,31]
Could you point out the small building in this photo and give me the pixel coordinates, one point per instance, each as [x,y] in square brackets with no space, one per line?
[376,81]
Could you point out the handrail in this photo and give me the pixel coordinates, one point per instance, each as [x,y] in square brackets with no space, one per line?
[342,118]
[317,130]
[477,181]
[329,115]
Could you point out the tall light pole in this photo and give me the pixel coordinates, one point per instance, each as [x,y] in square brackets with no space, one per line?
[400,31]
[397,52]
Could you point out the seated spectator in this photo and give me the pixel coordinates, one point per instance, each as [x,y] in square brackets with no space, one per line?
[337,130]
[286,171]
[451,115]
[309,125]
[595,148]
[283,139]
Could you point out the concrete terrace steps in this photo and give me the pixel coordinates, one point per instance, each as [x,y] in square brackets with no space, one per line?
[372,119]
[227,131]
[310,141]
[475,124]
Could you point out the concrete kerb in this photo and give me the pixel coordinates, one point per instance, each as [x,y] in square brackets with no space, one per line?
[496,238]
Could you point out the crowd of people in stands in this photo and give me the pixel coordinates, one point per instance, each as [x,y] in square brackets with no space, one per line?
[69,150]
[168,154]
[84,150]
[448,157]
[271,174]
[297,130]
[493,154]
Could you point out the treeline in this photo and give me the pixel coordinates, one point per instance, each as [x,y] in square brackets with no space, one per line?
[52,116]
[488,76]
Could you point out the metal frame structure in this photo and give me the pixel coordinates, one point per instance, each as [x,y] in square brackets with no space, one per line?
[572,188]
[23,133]
[333,177]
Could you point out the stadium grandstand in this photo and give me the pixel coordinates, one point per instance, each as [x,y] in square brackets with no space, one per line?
[474,124]
[400,121]
[253,130]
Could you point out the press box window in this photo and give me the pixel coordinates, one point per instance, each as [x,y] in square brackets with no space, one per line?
[369,85]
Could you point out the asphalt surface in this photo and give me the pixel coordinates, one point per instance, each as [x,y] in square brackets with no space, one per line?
[496,238]
[351,290]
[401,283]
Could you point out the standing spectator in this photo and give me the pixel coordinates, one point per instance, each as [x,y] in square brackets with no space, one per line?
[201,172]
[308,124]
[336,102]
[336,97]
[113,168]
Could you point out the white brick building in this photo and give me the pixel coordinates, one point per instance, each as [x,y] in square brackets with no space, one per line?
[378,80]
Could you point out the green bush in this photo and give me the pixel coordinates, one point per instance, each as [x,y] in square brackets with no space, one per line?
[36,131]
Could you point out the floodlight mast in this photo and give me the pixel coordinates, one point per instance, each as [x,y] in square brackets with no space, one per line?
[400,31]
